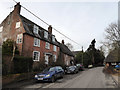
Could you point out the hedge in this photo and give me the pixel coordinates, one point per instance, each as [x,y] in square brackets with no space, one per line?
[22,64]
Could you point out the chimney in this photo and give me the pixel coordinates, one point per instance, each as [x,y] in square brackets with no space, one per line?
[62,41]
[17,8]
[50,29]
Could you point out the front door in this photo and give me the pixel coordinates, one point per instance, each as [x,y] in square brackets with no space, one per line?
[46,59]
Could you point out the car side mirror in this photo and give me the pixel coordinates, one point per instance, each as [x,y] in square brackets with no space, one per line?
[55,71]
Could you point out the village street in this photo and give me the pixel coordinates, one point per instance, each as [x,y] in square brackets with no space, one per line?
[90,78]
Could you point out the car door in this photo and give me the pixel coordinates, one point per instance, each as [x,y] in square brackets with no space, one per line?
[61,72]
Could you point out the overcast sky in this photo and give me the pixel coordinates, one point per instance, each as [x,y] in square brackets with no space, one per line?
[80,21]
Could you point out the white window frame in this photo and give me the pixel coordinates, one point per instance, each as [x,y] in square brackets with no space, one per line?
[54,58]
[38,58]
[36,42]
[5,39]
[1,28]
[46,34]
[54,48]
[46,59]
[53,38]
[35,29]
[19,38]
[17,24]
[47,45]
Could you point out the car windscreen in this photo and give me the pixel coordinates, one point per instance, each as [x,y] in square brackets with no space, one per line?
[77,64]
[71,67]
[49,69]
[52,69]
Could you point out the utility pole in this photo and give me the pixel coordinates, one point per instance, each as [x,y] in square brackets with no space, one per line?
[82,55]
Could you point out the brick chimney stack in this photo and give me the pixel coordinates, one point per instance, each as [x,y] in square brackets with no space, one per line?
[50,29]
[17,8]
[62,41]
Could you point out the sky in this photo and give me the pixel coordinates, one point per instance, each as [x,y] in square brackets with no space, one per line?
[82,21]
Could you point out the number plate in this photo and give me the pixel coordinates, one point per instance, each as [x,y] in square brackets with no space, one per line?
[40,78]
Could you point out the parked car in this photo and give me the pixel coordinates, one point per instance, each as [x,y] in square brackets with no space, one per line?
[117,66]
[71,69]
[90,66]
[50,74]
[80,67]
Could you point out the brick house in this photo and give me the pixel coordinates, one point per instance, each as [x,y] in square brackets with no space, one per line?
[66,55]
[31,39]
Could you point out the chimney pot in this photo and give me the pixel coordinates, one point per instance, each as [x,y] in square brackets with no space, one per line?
[17,8]
[62,41]
[50,29]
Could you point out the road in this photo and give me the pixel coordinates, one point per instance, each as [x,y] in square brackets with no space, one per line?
[90,78]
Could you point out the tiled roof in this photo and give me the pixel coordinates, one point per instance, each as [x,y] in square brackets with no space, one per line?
[75,52]
[65,49]
[114,56]
[28,26]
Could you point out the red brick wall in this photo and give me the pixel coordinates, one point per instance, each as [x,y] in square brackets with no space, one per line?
[9,27]
[67,59]
[28,47]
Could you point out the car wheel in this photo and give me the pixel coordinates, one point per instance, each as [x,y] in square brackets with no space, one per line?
[53,79]
[62,75]
[74,72]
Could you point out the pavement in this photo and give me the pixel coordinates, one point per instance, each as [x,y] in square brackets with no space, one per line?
[116,79]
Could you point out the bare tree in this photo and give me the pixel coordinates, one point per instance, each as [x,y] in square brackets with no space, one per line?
[70,46]
[112,37]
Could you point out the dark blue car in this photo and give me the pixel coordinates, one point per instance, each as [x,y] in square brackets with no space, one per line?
[50,74]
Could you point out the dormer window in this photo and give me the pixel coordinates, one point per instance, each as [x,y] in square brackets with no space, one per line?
[35,29]
[46,34]
[53,38]
[17,24]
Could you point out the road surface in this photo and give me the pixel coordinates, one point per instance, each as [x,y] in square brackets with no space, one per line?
[90,78]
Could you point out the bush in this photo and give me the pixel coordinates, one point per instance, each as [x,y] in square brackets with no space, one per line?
[22,64]
[7,47]
[39,66]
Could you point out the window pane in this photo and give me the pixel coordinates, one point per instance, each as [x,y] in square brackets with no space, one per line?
[54,48]
[17,24]
[19,38]
[1,28]
[47,45]
[35,41]
[53,38]
[54,58]
[35,29]
[38,42]
[46,59]
[45,34]
[36,55]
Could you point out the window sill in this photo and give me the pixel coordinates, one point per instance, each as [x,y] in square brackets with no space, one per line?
[36,46]
[35,60]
